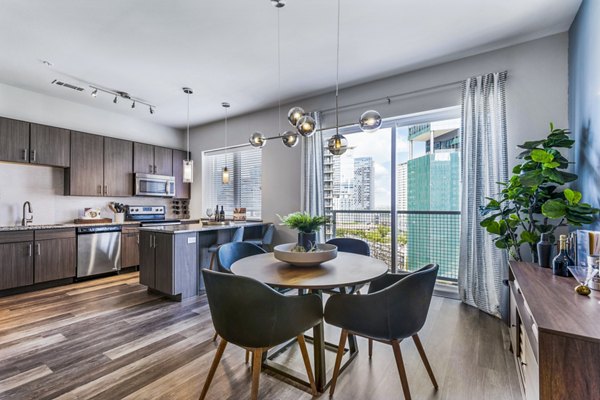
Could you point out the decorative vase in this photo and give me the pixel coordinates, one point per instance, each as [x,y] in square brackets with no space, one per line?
[119,218]
[307,240]
[544,252]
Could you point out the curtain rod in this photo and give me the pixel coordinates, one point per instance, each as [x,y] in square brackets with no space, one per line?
[388,99]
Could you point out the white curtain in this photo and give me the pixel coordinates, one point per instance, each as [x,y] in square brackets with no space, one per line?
[312,174]
[484,163]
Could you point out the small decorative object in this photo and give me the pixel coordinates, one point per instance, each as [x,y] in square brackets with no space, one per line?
[119,210]
[297,255]
[181,208]
[544,248]
[306,225]
[370,121]
[91,213]
[306,126]
[583,275]
[209,213]
[561,263]
[535,200]
[239,214]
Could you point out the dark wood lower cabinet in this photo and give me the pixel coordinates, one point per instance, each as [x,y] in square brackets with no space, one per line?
[55,259]
[16,264]
[147,259]
[130,252]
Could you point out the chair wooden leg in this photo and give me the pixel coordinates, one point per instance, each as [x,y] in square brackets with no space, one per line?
[213,368]
[370,348]
[338,361]
[215,336]
[401,370]
[311,377]
[247,356]
[425,361]
[256,366]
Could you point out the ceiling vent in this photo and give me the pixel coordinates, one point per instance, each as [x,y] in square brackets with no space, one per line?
[67,85]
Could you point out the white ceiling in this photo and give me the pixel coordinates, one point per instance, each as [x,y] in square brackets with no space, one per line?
[226,50]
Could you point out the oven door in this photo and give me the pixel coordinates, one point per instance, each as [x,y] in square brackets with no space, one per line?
[154,185]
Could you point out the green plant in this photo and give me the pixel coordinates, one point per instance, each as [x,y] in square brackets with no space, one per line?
[303,221]
[533,201]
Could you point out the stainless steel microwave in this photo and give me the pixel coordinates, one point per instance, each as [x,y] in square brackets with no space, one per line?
[154,185]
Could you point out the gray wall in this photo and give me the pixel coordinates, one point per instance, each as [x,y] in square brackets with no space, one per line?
[536,95]
[584,99]
[44,186]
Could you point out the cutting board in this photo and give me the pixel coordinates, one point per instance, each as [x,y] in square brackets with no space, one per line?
[93,221]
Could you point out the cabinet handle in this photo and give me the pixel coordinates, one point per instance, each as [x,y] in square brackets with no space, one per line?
[150,168]
[99,189]
[38,247]
[32,156]
[30,250]
[154,240]
[106,190]
[155,169]
[137,239]
[523,363]
[25,154]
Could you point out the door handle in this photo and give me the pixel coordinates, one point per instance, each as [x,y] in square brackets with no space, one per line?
[38,247]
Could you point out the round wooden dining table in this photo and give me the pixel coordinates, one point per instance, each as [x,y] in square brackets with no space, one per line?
[346,270]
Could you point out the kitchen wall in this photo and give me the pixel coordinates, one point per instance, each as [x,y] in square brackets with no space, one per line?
[536,94]
[44,186]
[584,99]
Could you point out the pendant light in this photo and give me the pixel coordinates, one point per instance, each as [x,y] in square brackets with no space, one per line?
[337,144]
[225,175]
[370,121]
[188,165]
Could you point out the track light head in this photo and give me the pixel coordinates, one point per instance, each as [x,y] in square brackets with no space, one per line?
[151,110]
[115,100]
[95,93]
[133,104]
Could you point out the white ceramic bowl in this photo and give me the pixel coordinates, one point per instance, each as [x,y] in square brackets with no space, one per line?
[284,253]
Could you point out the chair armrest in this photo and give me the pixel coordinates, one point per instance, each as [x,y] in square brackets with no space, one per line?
[358,313]
[386,281]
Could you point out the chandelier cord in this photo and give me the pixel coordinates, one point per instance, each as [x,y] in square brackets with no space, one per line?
[279,71]
[188,127]
[337,73]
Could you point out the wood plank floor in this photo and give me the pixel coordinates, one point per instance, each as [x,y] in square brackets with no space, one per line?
[109,339]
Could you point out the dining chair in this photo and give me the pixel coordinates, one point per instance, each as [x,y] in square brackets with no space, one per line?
[266,242]
[252,315]
[349,245]
[229,253]
[388,315]
[238,236]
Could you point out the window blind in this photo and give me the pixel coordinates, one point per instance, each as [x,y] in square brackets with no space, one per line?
[244,188]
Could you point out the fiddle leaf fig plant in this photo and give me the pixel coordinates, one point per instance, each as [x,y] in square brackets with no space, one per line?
[534,200]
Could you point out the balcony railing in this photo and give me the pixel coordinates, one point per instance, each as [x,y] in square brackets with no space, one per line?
[423,237]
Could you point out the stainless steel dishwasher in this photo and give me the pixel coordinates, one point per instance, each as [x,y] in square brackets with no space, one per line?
[98,250]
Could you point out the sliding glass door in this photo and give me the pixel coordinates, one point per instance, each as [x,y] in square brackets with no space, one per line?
[399,189]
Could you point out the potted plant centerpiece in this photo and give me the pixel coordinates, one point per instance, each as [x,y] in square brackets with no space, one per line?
[534,201]
[307,227]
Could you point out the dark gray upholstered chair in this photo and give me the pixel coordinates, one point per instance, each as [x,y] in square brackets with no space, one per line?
[349,245]
[238,236]
[394,309]
[266,242]
[251,315]
[231,252]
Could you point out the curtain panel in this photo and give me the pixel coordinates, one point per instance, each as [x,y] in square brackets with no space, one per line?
[484,163]
[312,174]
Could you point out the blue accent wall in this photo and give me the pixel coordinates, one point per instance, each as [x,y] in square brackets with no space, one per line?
[584,99]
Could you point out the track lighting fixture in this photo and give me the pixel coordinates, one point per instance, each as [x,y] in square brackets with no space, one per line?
[133,104]
[115,100]
[151,110]
[121,95]
[94,92]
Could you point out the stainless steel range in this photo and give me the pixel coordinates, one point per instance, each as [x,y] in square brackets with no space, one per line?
[150,215]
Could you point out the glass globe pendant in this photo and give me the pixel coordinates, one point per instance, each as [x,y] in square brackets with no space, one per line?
[257,140]
[370,121]
[306,126]
[294,115]
[337,144]
[290,139]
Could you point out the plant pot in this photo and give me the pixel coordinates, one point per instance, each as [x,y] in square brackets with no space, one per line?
[307,240]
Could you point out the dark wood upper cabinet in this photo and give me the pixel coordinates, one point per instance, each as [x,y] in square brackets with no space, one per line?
[50,146]
[182,190]
[118,167]
[163,161]
[143,158]
[14,140]
[85,176]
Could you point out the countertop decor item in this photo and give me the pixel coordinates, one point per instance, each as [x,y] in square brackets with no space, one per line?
[119,210]
[306,225]
[583,275]
[91,213]
[294,254]
[544,248]
[534,200]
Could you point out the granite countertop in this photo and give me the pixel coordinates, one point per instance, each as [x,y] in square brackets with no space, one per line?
[11,228]
[189,228]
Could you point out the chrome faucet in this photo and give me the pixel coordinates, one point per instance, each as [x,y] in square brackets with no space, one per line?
[26,221]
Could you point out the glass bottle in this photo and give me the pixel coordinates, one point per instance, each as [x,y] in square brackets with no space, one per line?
[562,260]
[222,214]
[217,213]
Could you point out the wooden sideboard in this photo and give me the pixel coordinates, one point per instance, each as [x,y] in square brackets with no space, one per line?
[555,335]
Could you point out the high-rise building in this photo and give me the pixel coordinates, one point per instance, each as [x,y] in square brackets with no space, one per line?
[363,192]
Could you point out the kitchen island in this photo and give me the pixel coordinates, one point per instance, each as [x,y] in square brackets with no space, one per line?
[171,256]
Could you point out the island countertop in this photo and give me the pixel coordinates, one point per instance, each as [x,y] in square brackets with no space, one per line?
[175,229]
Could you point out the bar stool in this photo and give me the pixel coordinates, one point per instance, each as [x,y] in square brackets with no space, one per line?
[266,242]
[238,236]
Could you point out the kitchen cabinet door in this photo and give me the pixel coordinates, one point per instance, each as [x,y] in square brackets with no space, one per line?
[182,190]
[164,263]
[50,146]
[163,161]
[14,140]
[147,259]
[118,167]
[130,252]
[143,158]
[85,176]
[16,266]
[55,259]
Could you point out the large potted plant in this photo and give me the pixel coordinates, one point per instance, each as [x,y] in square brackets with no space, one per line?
[534,200]
[306,225]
